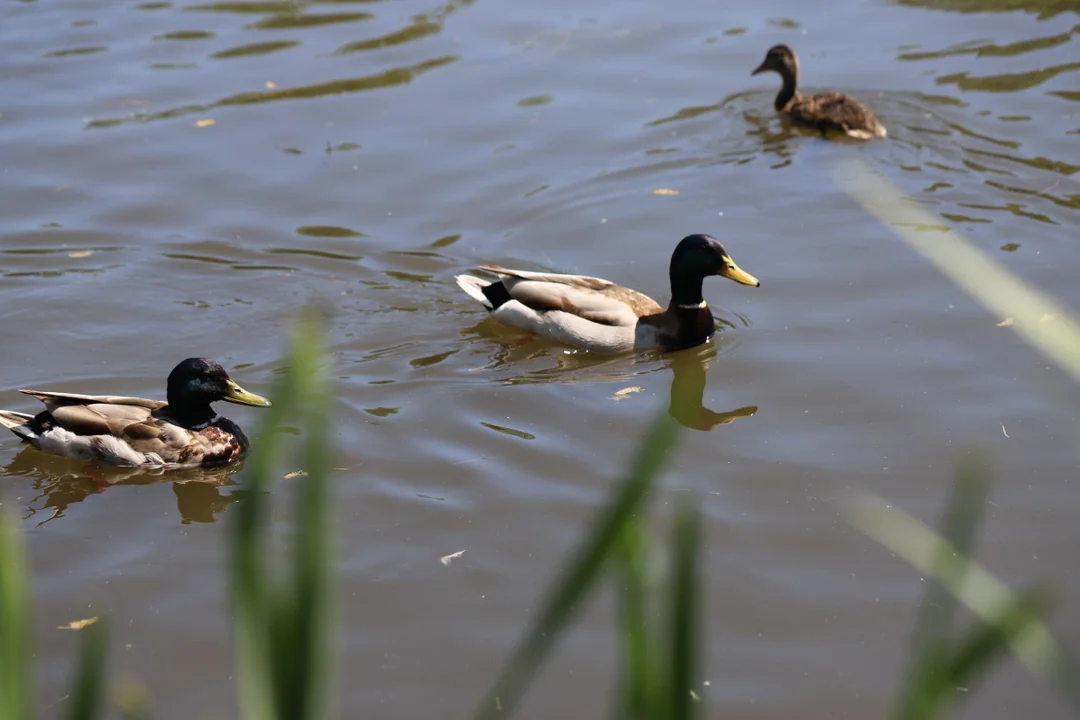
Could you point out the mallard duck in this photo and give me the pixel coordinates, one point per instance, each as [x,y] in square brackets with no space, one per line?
[136,432]
[829,111]
[598,315]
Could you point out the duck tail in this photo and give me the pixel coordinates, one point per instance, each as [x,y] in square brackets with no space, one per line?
[475,287]
[18,423]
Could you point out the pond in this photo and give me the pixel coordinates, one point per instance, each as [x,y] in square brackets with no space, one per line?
[177,177]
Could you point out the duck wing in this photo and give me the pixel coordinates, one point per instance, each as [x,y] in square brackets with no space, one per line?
[590,298]
[98,414]
[61,398]
[125,431]
[837,111]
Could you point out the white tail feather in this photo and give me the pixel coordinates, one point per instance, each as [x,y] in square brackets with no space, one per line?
[474,287]
[16,422]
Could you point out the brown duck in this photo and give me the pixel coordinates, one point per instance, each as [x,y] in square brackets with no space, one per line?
[827,112]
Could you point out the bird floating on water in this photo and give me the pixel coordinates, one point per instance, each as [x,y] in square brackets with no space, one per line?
[598,315]
[828,111]
[137,432]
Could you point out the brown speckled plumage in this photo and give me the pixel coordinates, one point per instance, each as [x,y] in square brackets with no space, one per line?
[834,112]
[828,111]
[137,432]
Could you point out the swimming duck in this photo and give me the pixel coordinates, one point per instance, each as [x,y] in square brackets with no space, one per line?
[829,111]
[598,315]
[136,432]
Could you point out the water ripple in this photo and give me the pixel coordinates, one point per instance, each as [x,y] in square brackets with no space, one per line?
[1012,82]
[388,78]
[420,28]
[1040,8]
[69,52]
[293,21]
[261,48]
[989,49]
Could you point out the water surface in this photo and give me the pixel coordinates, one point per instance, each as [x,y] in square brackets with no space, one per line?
[176,177]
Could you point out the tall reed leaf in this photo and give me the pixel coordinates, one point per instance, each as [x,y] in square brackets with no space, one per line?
[1045,324]
[15,676]
[930,638]
[987,642]
[581,574]
[969,582]
[88,688]
[683,613]
[640,683]
[282,624]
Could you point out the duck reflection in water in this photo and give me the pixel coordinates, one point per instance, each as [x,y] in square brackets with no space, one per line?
[689,368]
[61,482]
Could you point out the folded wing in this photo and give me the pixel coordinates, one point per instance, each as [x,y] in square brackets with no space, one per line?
[589,298]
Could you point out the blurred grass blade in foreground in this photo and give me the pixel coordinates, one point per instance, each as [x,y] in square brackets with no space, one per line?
[1045,324]
[683,614]
[15,659]
[582,573]
[1008,622]
[639,690]
[934,623]
[88,688]
[283,617]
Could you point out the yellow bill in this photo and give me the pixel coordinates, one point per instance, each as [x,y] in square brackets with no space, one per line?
[240,396]
[734,272]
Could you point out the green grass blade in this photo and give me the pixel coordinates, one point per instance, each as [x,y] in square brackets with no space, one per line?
[88,688]
[684,617]
[253,597]
[282,633]
[929,641]
[962,663]
[311,593]
[132,699]
[988,642]
[1045,324]
[581,574]
[973,585]
[15,663]
[637,697]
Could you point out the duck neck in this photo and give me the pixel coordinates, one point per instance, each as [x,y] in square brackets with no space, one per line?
[787,92]
[191,414]
[686,289]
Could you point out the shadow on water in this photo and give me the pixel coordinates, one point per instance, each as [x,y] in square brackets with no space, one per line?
[61,482]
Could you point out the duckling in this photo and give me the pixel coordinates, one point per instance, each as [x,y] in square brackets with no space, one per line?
[137,432]
[598,315]
[829,111]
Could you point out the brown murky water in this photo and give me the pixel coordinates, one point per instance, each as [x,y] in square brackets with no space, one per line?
[366,152]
